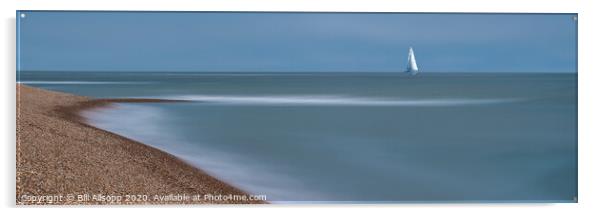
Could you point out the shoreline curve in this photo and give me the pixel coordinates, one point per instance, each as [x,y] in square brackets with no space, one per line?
[58,153]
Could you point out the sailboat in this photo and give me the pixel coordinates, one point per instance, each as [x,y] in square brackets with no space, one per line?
[412,66]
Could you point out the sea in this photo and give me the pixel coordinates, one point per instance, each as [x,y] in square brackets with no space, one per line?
[367,137]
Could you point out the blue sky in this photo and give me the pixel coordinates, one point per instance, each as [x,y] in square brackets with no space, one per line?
[295,42]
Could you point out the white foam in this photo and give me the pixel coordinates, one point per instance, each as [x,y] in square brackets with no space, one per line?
[322,100]
[146,124]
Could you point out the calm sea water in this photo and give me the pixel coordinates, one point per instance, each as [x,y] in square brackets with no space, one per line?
[357,137]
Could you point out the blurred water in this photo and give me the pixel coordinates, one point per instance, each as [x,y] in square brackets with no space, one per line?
[357,137]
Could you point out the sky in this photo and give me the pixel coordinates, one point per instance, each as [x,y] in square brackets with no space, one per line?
[295,42]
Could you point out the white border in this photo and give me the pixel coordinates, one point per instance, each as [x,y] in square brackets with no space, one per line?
[304,5]
[589,105]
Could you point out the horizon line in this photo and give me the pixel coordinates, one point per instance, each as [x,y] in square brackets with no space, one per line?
[233,71]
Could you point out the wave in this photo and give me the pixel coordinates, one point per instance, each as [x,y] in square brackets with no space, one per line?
[147,124]
[322,100]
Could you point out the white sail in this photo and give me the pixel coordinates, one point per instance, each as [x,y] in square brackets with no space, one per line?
[412,66]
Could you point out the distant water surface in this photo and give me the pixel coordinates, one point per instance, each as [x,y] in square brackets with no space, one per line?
[353,137]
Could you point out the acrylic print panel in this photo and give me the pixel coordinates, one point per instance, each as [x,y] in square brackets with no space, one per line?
[257,107]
